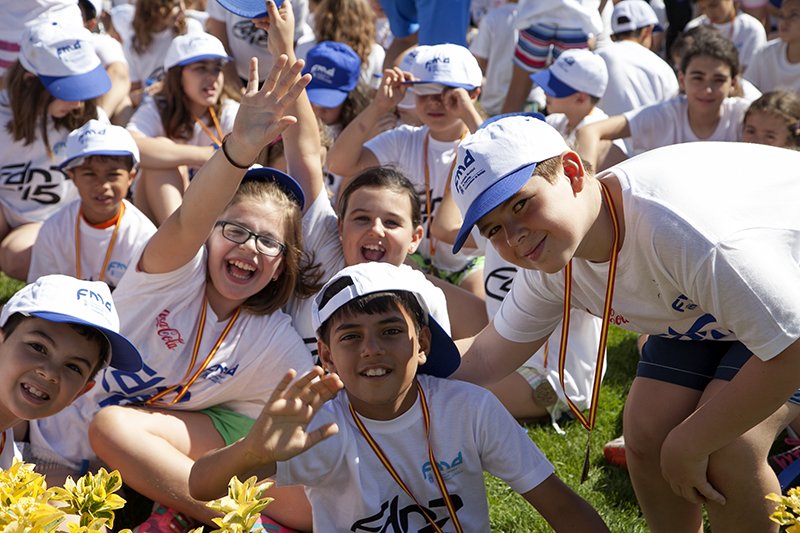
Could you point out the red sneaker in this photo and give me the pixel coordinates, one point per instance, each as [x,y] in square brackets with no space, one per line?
[615,452]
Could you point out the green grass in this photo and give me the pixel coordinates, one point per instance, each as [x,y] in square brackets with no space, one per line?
[608,488]
[8,287]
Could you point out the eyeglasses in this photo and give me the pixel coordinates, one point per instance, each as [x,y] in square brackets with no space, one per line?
[240,235]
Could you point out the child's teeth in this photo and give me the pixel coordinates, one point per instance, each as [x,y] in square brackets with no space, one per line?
[35,392]
[375,372]
[243,266]
[374,247]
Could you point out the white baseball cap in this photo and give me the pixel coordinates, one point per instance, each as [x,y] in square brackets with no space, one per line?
[495,162]
[574,71]
[64,59]
[408,101]
[367,278]
[447,64]
[58,298]
[630,15]
[194,47]
[98,138]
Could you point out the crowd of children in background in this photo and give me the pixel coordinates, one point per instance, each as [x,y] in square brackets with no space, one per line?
[145,148]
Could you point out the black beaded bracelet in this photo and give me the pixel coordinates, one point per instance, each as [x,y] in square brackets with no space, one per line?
[228,157]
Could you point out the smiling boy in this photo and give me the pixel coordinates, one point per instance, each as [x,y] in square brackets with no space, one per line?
[706,263]
[56,335]
[96,237]
[378,340]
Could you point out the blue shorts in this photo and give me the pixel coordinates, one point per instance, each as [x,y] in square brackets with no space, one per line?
[437,21]
[693,364]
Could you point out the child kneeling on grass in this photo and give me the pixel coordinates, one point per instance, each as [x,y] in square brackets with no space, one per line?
[378,341]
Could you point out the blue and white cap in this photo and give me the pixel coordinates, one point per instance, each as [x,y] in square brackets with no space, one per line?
[60,298]
[574,71]
[335,69]
[64,59]
[249,9]
[98,138]
[495,162]
[630,15]
[194,47]
[450,65]
[408,101]
[367,278]
[287,183]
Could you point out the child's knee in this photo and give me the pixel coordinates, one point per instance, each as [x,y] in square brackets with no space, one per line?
[108,424]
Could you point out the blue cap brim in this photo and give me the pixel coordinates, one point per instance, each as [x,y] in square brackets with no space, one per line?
[285,181]
[251,9]
[532,114]
[465,86]
[79,87]
[444,357]
[124,355]
[551,85]
[197,59]
[326,97]
[121,153]
[499,192]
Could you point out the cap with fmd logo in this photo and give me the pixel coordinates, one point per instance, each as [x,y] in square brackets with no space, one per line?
[98,138]
[335,69]
[574,71]
[495,162]
[450,65]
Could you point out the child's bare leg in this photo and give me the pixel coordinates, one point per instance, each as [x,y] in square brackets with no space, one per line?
[652,410]
[160,192]
[154,450]
[15,250]
[473,283]
[516,395]
[741,473]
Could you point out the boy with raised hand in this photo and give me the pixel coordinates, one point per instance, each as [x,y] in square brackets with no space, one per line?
[55,335]
[396,418]
[94,238]
[698,256]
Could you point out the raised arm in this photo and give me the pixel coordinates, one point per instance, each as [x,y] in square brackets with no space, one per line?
[588,137]
[278,434]
[348,156]
[163,153]
[259,121]
[565,511]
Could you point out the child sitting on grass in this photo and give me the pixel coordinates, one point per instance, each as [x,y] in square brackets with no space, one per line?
[97,236]
[396,417]
[56,335]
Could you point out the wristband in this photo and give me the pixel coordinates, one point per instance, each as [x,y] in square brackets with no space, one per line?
[228,157]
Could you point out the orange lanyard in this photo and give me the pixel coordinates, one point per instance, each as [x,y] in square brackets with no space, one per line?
[601,351]
[217,140]
[426,417]
[429,193]
[110,245]
[185,388]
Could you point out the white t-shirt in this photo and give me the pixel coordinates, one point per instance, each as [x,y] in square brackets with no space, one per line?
[636,77]
[108,49]
[246,41]
[748,34]
[403,147]
[560,122]
[54,250]
[668,123]
[710,253]
[771,70]
[495,41]
[321,238]
[31,186]
[150,64]
[146,120]
[8,451]
[581,14]
[471,432]
[160,314]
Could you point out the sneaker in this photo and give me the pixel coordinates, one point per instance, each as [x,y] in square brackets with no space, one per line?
[780,461]
[268,525]
[166,520]
[615,452]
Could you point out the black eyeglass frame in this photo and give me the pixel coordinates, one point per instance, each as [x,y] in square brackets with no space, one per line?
[251,235]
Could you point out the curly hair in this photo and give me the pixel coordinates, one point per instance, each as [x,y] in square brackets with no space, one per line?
[785,106]
[351,22]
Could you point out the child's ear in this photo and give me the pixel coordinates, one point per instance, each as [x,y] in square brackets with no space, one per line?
[339,227]
[573,169]
[473,95]
[86,388]
[416,238]
[324,353]
[424,344]
[680,81]
[131,176]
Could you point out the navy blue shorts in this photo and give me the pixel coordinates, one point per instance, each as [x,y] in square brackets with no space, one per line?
[693,364]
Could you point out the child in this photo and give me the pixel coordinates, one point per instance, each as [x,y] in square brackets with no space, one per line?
[447,84]
[98,236]
[573,85]
[776,65]
[204,303]
[181,126]
[704,263]
[704,112]
[773,119]
[636,76]
[50,92]
[746,32]
[56,335]
[379,342]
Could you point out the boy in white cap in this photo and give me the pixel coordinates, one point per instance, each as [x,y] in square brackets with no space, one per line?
[56,334]
[446,82]
[573,85]
[96,237]
[697,257]
[636,75]
[396,417]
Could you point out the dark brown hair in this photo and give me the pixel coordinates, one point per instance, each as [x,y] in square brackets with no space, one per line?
[383,178]
[785,106]
[148,15]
